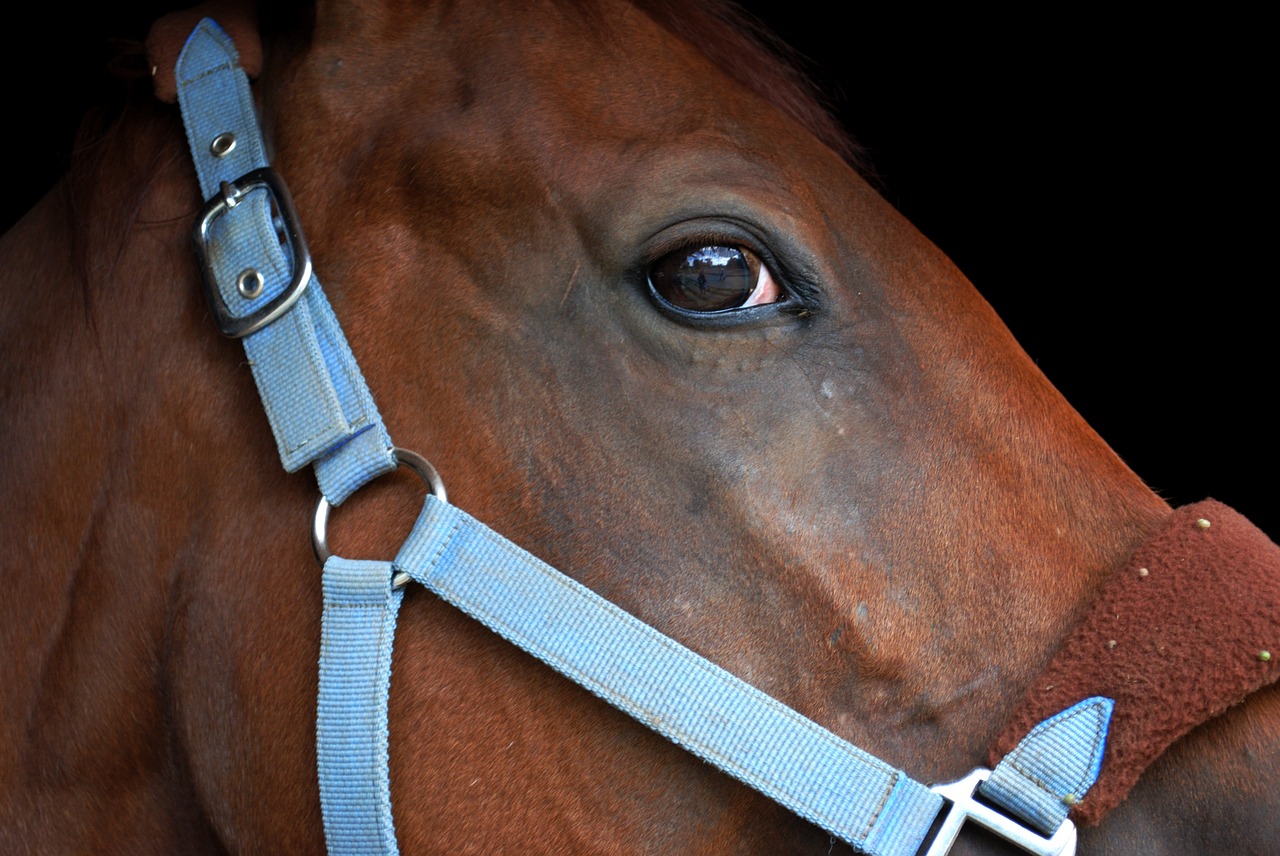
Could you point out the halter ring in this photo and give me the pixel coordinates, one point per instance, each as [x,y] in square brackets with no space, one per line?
[405,458]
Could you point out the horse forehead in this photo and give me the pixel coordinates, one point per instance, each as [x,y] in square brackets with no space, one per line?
[590,110]
[588,73]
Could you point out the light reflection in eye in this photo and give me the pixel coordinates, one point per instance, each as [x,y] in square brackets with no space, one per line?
[718,256]
[713,278]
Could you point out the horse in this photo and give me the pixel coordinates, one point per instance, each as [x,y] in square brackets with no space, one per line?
[839,486]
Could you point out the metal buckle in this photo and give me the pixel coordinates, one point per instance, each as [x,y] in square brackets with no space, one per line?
[320,522]
[237,327]
[965,807]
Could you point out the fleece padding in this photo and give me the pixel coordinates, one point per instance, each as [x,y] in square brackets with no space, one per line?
[1185,629]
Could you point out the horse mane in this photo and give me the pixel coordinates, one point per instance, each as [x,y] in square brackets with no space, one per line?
[96,217]
[744,47]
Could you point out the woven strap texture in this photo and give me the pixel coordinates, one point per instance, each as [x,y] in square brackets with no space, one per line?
[320,409]
[358,630]
[1053,766]
[685,697]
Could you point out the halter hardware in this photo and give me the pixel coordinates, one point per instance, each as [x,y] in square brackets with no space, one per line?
[320,521]
[231,194]
[964,806]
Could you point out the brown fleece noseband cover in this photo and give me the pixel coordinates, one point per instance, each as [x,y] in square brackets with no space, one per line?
[1188,627]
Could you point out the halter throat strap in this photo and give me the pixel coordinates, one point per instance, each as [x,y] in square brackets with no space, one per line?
[322,413]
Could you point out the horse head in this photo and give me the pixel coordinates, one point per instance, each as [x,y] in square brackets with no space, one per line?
[837,476]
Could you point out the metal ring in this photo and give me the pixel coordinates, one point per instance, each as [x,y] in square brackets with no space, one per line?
[405,458]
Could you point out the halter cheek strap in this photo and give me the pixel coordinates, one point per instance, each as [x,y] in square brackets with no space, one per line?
[320,409]
[260,287]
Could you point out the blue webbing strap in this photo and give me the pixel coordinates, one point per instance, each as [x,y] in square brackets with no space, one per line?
[669,688]
[358,630]
[1052,767]
[664,685]
[690,700]
[321,412]
[319,407]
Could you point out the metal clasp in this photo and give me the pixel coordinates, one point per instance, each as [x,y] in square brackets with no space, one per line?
[405,458]
[965,807]
[231,194]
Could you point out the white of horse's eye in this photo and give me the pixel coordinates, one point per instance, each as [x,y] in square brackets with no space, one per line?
[713,278]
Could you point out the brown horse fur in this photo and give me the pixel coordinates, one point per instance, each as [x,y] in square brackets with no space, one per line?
[872,506]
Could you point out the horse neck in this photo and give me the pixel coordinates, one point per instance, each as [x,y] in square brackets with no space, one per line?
[103,331]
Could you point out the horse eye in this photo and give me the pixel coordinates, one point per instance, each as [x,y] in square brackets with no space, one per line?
[713,278]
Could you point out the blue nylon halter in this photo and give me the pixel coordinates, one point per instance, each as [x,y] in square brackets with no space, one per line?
[322,413]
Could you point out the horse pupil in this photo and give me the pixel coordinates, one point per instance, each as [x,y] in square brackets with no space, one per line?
[708,279]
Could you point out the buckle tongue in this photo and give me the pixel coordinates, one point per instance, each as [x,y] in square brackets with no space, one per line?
[965,807]
[230,195]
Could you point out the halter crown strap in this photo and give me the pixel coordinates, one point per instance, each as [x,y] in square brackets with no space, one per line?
[321,412]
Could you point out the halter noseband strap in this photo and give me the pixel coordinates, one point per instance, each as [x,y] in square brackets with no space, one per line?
[1183,630]
[322,413]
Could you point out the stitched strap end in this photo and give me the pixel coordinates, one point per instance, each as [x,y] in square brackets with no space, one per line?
[1054,765]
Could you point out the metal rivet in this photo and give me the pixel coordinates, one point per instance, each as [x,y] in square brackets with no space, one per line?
[230,194]
[1203,524]
[222,144]
[1111,643]
[1142,572]
[1070,799]
[249,283]
[1264,656]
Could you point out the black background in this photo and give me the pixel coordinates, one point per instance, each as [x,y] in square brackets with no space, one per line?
[1102,183]
[1100,180]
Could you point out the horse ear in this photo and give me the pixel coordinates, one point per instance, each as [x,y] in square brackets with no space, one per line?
[238,19]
